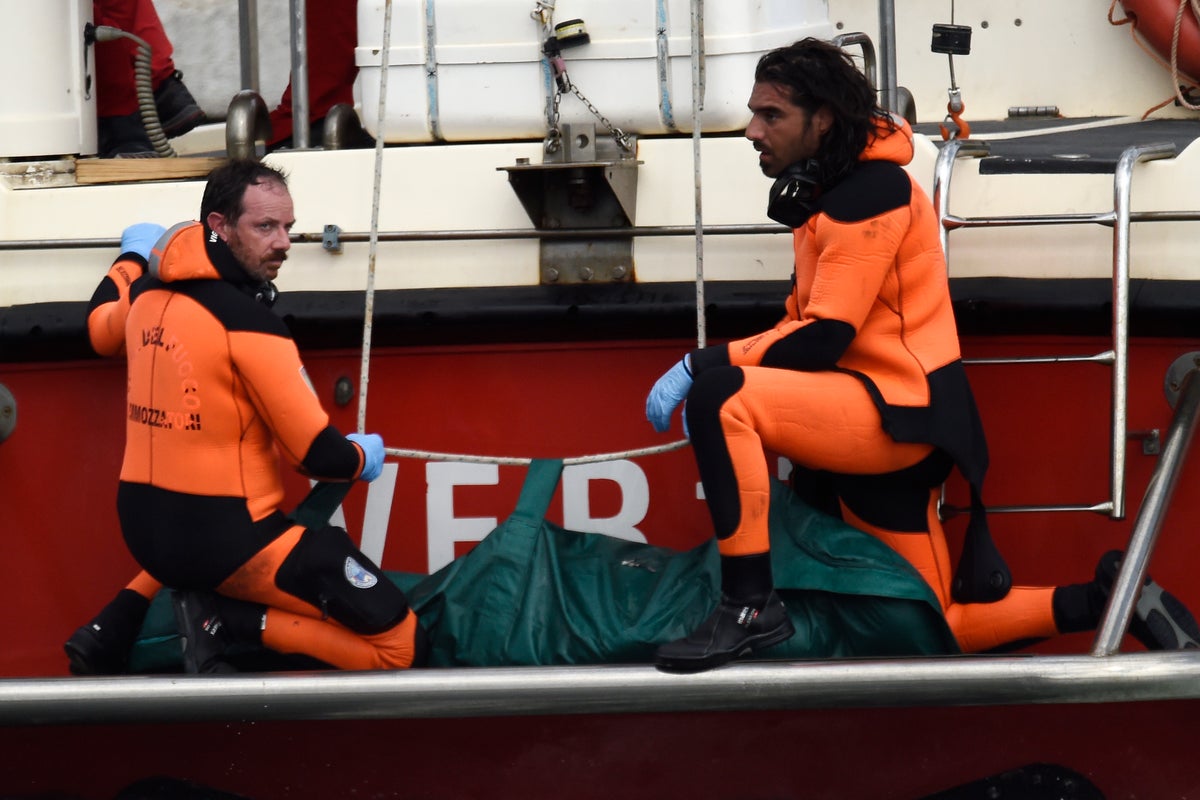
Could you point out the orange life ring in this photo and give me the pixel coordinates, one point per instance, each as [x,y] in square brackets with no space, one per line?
[1155,21]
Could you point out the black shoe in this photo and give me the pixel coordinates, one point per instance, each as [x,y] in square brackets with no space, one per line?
[731,631]
[202,632]
[1160,621]
[123,137]
[178,111]
[102,646]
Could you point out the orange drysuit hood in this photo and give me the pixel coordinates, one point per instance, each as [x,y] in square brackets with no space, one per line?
[890,145]
[192,251]
[179,255]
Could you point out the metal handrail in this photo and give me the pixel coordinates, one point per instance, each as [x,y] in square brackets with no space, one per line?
[943,681]
[1119,220]
[868,52]
[442,235]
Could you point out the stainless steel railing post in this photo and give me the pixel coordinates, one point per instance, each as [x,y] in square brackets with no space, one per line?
[1150,516]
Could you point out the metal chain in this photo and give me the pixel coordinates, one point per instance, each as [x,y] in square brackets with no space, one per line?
[553,141]
[554,137]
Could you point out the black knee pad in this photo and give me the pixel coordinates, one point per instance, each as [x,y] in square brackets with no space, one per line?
[710,391]
[327,570]
[896,500]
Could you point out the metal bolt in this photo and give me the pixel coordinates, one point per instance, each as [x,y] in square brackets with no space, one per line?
[343,392]
[619,272]
[586,274]
[550,275]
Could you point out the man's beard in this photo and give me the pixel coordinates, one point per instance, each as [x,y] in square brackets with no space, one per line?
[251,264]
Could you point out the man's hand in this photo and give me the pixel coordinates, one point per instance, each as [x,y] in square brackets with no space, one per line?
[140,238]
[668,393]
[372,447]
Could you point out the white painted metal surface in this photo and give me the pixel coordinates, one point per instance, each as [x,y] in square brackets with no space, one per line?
[45,106]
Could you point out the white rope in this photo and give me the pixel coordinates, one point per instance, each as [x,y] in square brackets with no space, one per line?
[1183,6]
[429,455]
[697,106]
[369,305]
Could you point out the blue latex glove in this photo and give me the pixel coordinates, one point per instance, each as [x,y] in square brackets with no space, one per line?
[668,393]
[372,447]
[139,238]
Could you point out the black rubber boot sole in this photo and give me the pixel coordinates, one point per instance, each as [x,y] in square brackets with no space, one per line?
[1160,620]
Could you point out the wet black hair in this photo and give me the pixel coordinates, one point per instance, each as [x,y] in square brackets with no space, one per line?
[226,188]
[816,73]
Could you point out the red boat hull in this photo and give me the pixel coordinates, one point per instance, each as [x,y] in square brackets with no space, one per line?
[1131,751]
[1048,430]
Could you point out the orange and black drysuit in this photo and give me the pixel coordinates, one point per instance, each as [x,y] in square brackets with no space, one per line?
[216,394]
[122,617]
[109,305]
[860,383]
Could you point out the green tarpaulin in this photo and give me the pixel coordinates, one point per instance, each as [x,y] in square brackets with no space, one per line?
[532,593]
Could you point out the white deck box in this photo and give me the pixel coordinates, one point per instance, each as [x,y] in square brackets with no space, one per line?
[472,70]
[46,108]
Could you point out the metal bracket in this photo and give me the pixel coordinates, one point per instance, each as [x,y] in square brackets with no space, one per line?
[1151,441]
[589,184]
[331,239]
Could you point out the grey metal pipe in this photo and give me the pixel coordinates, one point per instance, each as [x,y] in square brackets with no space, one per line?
[489,692]
[1149,519]
[438,236]
[248,39]
[887,52]
[300,104]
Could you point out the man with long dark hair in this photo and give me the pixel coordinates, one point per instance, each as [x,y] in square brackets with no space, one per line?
[861,384]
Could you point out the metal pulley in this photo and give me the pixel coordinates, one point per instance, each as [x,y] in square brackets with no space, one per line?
[953,40]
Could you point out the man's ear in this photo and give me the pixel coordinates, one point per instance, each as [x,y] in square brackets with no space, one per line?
[216,223]
[822,119]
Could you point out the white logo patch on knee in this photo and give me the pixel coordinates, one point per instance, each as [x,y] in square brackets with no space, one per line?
[358,577]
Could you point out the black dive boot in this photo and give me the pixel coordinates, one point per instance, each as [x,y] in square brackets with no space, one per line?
[1160,621]
[733,630]
[102,646]
[202,632]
